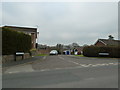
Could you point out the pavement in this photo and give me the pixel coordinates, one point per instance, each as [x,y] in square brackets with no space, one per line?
[21,65]
[63,71]
[28,60]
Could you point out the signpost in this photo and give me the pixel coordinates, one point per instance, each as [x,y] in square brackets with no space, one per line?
[19,54]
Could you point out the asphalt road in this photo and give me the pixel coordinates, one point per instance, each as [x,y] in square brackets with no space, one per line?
[64,72]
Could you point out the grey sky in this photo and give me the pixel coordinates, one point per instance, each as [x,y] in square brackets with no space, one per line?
[64,22]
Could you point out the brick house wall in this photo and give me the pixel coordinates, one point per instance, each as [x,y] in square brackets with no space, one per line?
[30,31]
[33,40]
[99,44]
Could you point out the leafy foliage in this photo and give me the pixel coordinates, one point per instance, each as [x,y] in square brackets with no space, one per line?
[13,41]
[93,51]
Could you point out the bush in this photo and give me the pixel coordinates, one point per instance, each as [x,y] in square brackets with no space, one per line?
[93,51]
[115,52]
[33,52]
[13,41]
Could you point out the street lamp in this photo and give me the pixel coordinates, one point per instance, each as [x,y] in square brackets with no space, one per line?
[37,36]
[37,32]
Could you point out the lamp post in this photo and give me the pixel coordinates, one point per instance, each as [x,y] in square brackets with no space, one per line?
[37,32]
[37,36]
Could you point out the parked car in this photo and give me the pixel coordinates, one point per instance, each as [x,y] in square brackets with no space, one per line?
[54,52]
[76,53]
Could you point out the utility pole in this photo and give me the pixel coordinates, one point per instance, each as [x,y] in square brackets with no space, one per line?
[37,32]
[37,36]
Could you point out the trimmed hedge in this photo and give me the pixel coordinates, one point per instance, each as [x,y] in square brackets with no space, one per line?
[93,51]
[13,41]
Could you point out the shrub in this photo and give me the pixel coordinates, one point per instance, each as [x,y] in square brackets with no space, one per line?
[115,52]
[13,41]
[90,51]
[93,51]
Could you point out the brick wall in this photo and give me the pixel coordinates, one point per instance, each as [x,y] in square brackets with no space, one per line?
[11,58]
[44,51]
[99,44]
[7,58]
[33,40]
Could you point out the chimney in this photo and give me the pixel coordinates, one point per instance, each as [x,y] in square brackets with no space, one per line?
[111,37]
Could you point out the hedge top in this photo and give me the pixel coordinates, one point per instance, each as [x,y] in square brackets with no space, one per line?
[13,41]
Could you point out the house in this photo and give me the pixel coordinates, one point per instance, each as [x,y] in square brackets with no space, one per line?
[27,30]
[40,46]
[73,48]
[67,52]
[107,42]
[43,49]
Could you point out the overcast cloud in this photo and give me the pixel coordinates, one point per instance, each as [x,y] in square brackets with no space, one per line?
[64,22]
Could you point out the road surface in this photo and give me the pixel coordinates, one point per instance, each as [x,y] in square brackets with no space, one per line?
[64,72]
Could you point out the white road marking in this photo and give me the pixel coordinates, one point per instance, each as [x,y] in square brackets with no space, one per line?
[45,70]
[115,64]
[86,65]
[111,63]
[18,69]
[81,66]
[61,58]
[13,72]
[44,57]
[29,68]
[90,79]
[89,65]
[106,64]
[69,61]
[94,65]
[100,64]
[74,62]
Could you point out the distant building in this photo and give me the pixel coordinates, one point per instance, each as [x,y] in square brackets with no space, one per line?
[67,49]
[43,49]
[59,48]
[40,46]
[74,45]
[30,31]
[107,42]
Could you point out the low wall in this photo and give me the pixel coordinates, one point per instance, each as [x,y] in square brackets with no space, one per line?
[26,55]
[11,58]
[44,51]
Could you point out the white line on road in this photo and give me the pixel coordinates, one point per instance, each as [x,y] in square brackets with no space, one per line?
[45,70]
[18,69]
[89,65]
[11,72]
[69,61]
[115,64]
[44,57]
[78,65]
[61,58]
[74,62]
[85,65]
[81,66]
[111,63]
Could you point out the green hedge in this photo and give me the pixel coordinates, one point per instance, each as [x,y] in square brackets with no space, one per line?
[93,51]
[13,41]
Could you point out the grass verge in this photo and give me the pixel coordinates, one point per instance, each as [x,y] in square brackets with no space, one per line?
[41,55]
[80,55]
[93,57]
